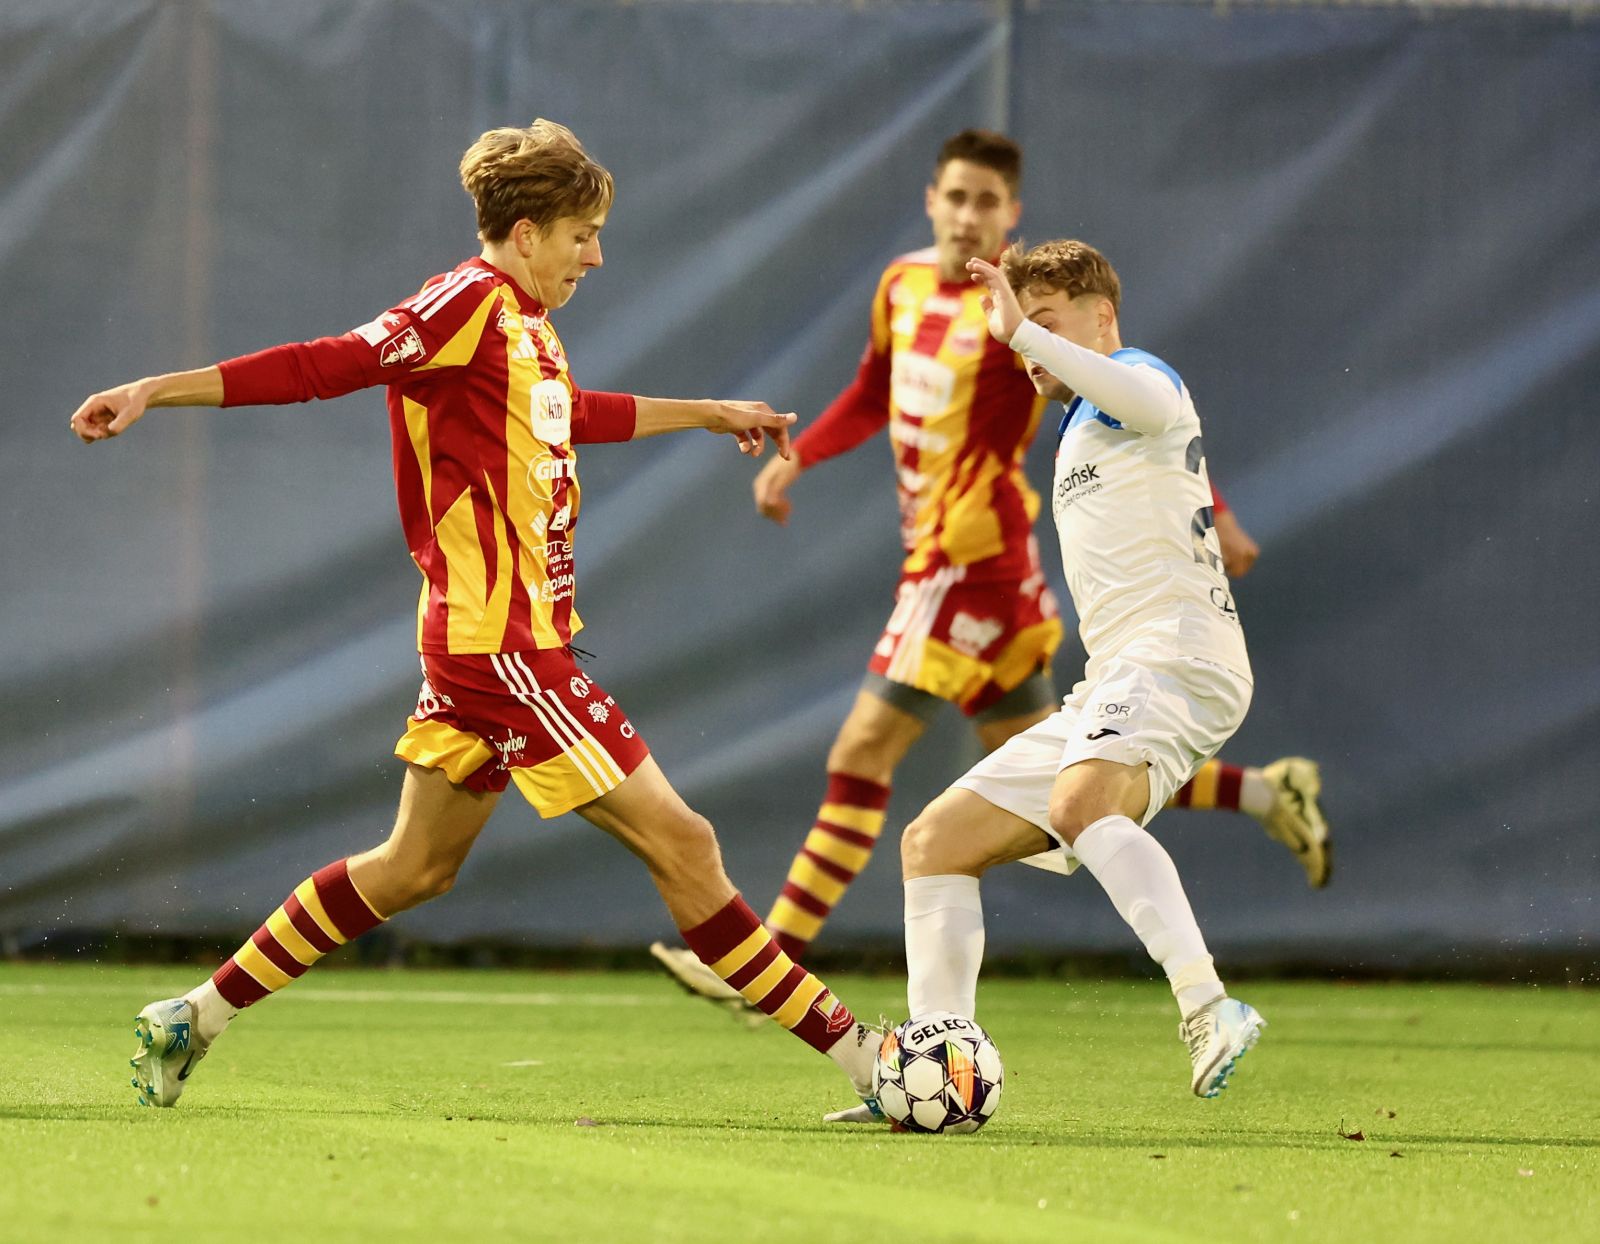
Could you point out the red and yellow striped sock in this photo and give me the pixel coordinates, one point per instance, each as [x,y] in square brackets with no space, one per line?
[1216,785]
[324,912]
[738,948]
[835,851]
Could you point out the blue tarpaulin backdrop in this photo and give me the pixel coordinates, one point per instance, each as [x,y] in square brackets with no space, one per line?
[1369,238]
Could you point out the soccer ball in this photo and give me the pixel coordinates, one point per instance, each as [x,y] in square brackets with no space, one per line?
[939,1073]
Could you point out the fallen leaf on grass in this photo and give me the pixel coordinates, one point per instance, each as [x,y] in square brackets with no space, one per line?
[585,1121]
[1356,1135]
[1395,1153]
[1524,1171]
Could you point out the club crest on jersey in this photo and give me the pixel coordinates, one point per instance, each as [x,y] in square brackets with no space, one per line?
[550,412]
[403,347]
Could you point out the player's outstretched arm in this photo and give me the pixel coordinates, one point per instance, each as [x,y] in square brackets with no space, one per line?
[752,424]
[112,412]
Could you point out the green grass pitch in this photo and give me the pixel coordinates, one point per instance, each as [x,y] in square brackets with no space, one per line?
[431,1106]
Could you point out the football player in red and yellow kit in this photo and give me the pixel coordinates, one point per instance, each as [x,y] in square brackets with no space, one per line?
[486,421]
[973,623]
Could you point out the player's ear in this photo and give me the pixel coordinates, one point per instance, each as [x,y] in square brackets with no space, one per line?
[1016,214]
[928,197]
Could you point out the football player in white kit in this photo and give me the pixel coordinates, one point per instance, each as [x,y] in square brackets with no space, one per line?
[1167,682]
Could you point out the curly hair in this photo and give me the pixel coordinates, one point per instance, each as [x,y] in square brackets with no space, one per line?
[1075,268]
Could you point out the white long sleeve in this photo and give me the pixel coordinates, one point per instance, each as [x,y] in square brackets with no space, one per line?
[1139,398]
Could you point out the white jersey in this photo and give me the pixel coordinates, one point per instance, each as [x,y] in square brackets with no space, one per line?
[1134,509]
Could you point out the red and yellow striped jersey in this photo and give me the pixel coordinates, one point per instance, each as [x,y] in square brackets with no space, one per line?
[484,415]
[961,413]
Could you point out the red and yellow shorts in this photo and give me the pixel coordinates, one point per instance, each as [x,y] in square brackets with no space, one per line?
[535,718]
[969,640]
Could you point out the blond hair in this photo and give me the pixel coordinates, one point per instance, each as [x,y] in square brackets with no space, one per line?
[539,173]
[1069,266]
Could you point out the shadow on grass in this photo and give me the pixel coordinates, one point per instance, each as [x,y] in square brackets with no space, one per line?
[1165,1144]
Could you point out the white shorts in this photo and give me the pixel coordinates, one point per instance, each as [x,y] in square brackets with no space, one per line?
[1148,704]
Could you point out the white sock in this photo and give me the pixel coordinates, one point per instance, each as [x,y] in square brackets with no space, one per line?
[855,1053]
[1139,877]
[211,1011]
[1256,795]
[944,944]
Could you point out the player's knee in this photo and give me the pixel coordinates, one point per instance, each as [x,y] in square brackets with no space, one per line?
[862,754]
[928,847]
[1071,814]
[437,879]
[685,848]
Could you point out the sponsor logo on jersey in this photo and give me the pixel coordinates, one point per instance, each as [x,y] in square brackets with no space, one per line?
[550,412]
[549,469]
[374,331]
[921,386]
[545,474]
[561,519]
[556,587]
[918,437]
[1223,600]
[403,347]
[578,687]
[966,340]
[1075,484]
[972,635]
[1102,733]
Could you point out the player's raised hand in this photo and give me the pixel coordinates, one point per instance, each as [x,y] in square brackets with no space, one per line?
[753,424]
[771,488]
[108,414]
[999,303]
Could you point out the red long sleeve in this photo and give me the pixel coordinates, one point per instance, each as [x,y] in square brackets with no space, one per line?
[300,371]
[603,417]
[1218,505]
[852,417]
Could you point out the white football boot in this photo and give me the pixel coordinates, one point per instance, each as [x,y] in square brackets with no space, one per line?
[169,1049]
[857,1052]
[1218,1034]
[1295,818]
[684,966]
